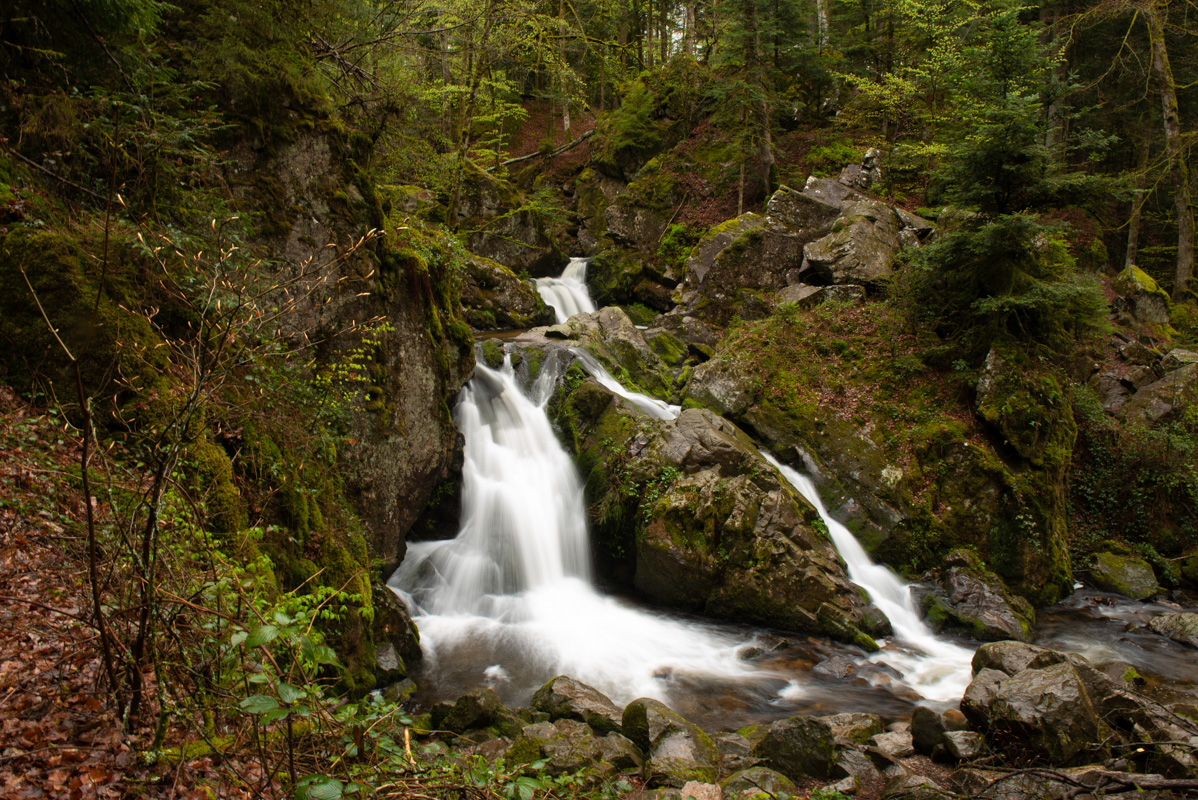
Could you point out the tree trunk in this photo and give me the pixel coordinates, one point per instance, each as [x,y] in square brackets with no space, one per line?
[1179,170]
[1137,205]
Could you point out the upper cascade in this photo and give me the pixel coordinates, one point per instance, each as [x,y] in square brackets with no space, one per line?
[568,294]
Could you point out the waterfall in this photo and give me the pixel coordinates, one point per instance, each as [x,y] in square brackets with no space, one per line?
[568,293]
[512,590]
[937,669]
[650,405]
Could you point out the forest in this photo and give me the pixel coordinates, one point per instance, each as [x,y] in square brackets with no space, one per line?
[611,399]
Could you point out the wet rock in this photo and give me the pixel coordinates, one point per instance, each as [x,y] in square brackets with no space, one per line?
[969,598]
[1181,627]
[677,751]
[798,747]
[1006,657]
[565,698]
[1126,575]
[927,729]
[477,709]
[757,783]
[860,249]
[1048,711]
[620,753]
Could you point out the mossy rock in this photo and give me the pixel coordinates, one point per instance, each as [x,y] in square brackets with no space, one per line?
[1127,575]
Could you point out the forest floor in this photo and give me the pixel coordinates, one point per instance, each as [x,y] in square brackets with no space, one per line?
[59,736]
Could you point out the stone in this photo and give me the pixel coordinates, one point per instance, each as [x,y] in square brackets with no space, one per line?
[565,698]
[1178,358]
[1006,657]
[677,751]
[969,598]
[619,752]
[854,728]
[914,787]
[493,298]
[894,744]
[757,783]
[927,729]
[694,790]
[811,296]
[961,745]
[860,249]
[401,691]
[1142,297]
[635,226]
[1111,390]
[1181,627]
[476,709]
[798,747]
[799,210]
[843,786]
[852,763]
[736,752]
[1164,400]
[830,191]
[1126,575]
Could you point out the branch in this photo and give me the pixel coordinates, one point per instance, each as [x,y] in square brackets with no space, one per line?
[552,154]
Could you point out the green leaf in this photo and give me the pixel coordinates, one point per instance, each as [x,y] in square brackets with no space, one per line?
[274,716]
[262,635]
[319,787]
[238,638]
[288,693]
[259,704]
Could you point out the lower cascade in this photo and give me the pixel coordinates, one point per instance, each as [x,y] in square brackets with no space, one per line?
[510,602]
[567,294]
[936,668]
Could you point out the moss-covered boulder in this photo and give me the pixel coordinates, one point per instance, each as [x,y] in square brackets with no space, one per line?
[500,225]
[1141,297]
[757,783]
[677,750]
[493,298]
[798,747]
[1126,575]
[968,598]
[693,517]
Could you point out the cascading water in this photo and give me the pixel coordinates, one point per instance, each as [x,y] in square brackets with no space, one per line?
[650,405]
[567,294]
[513,589]
[936,668]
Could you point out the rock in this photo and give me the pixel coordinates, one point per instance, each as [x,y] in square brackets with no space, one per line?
[1111,390]
[974,600]
[396,635]
[635,226]
[1178,358]
[1164,400]
[1006,657]
[620,753]
[864,175]
[1142,298]
[961,746]
[927,729]
[799,210]
[854,764]
[854,728]
[1126,575]
[811,296]
[860,249]
[1135,352]
[565,698]
[493,298]
[736,752]
[572,747]
[894,744]
[401,691]
[757,783]
[798,747]
[694,790]
[914,787]
[677,751]
[843,786]
[1181,627]
[830,191]
[477,709]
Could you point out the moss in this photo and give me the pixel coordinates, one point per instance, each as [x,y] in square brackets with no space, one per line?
[1133,279]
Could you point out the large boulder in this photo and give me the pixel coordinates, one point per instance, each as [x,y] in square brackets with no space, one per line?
[1126,575]
[757,783]
[1180,626]
[1141,297]
[1164,400]
[565,698]
[860,249]
[799,747]
[677,750]
[969,598]
[493,298]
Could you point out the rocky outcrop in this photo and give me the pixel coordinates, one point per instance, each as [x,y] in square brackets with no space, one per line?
[695,518]
[493,298]
[498,225]
[1041,704]
[1144,385]
[860,249]
[968,598]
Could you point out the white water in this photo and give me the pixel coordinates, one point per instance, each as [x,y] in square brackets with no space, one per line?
[568,293]
[650,405]
[515,582]
[937,669]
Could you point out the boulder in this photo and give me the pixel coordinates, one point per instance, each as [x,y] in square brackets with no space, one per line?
[565,698]
[894,745]
[1047,710]
[677,751]
[800,211]
[1126,575]
[798,747]
[476,709]
[1180,626]
[860,249]
[969,598]
[694,790]
[864,175]
[854,728]
[1178,358]
[757,783]
[928,727]
[960,746]
[736,752]
[1142,298]
[493,298]
[619,753]
[810,296]
[1007,657]
[914,787]
[1164,400]
[831,192]
[635,226]
[1111,390]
